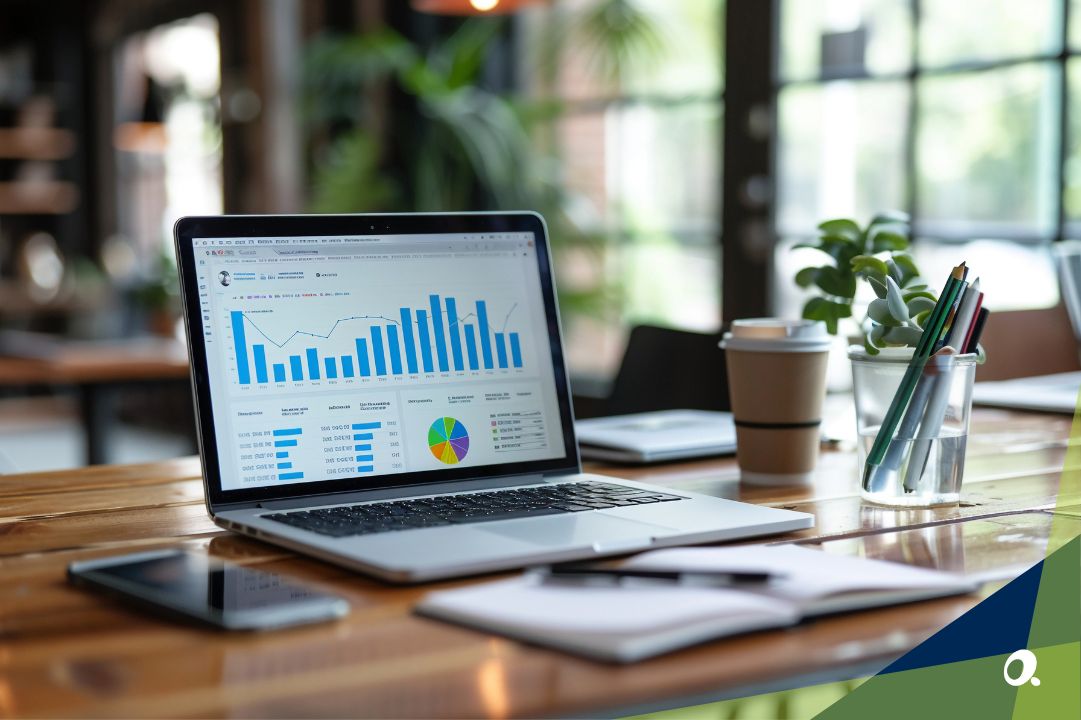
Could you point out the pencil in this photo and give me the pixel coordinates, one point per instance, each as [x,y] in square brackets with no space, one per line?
[931,333]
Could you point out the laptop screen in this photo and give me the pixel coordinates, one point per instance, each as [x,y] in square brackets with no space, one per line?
[342,356]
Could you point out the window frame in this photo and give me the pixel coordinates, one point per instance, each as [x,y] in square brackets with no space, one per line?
[921,230]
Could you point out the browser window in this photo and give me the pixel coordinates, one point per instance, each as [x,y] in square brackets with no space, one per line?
[353,356]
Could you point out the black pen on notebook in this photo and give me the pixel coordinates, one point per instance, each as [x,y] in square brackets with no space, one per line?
[589,575]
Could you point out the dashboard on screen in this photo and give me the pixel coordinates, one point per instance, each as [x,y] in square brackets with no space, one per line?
[338,357]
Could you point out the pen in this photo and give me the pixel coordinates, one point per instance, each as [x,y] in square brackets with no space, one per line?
[727,577]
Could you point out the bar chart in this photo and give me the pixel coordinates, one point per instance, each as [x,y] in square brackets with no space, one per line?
[430,339]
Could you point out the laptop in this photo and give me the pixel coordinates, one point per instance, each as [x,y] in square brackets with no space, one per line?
[660,436]
[1056,393]
[389,393]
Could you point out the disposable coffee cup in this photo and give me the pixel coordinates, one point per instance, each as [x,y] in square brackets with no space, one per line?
[777,382]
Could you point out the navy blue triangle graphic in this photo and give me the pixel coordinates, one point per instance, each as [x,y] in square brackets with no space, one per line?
[1007,612]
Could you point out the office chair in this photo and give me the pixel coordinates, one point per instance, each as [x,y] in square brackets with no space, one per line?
[666,369]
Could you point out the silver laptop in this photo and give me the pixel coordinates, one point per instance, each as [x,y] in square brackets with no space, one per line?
[389,393]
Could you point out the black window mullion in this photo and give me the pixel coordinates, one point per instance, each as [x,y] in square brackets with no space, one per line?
[912,131]
[1064,123]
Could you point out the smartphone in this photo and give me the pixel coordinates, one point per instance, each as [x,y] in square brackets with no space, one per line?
[214,592]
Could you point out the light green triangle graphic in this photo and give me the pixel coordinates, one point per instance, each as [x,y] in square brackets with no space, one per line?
[797,704]
[1058,668]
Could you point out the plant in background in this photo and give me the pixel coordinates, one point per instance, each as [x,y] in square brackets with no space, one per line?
[877,253]
[472,147]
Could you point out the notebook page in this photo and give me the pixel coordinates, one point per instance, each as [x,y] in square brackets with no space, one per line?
[525,602]
[808,574]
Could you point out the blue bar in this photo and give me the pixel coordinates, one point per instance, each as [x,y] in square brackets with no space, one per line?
[515,350]
[395,350]
[363,448]
[288,431]
[485,339]
[501,350]
[366,468]
[295,368]
[279,372]
[240,345]
[260,363]
[367,426]
[347,366]
[365,458]
[313,363]
[407,338]
[362,357]
[471,346]
[377,350]
[331,366]
[455,336]
[437,327]
[364,436]
[425,345]
[285,466]
[282,454]
[285,443]
[291,476]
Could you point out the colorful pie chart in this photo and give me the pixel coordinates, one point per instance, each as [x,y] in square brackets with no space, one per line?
[448,440]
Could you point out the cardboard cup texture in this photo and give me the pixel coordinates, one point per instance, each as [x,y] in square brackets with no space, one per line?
[777,401]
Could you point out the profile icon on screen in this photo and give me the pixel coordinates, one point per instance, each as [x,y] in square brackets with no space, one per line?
[225,278]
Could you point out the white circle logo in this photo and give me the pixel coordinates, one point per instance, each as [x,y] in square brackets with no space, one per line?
[1028,669]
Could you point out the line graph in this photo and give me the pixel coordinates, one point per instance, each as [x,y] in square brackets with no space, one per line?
[435,338]
[337,322]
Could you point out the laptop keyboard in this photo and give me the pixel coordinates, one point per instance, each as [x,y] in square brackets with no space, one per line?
[468,508]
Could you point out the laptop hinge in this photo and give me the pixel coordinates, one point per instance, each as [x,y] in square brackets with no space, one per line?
[408,491]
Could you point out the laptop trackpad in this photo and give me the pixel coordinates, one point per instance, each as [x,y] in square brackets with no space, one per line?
[578,529]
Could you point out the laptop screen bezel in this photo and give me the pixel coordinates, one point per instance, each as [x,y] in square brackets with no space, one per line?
[230,226]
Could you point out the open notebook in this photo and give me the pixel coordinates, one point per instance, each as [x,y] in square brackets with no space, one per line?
[631,622]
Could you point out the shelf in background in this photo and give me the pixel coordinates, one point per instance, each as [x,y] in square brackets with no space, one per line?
[36,143]
[38,198]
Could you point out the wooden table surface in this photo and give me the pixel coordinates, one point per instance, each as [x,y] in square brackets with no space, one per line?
[107,361]
[69,653]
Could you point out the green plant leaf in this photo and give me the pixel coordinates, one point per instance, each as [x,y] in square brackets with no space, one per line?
[806,276]
[896,301]
[919,304]
[903,335]
[873,340]
[910,296]
[869,266]
[907,266]
[920,319]
[879,311]
[878,286]
[835,282]
[840,248]
[888,240]
[841,226]
[827,311]
[894,271]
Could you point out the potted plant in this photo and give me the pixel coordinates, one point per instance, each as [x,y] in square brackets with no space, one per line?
[878,254]
[891,329]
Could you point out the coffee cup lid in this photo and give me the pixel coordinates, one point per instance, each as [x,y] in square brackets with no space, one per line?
[777,335]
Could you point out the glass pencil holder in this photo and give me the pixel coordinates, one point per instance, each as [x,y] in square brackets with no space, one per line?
[923,463]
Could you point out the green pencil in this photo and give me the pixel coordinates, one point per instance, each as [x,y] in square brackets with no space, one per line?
[931,332]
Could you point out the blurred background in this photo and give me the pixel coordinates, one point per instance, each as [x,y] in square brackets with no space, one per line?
[677,148]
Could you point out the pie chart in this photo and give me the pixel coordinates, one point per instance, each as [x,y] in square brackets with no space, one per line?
[448,440]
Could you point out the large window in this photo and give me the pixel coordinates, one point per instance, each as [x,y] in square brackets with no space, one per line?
[966,114]
[636,91]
